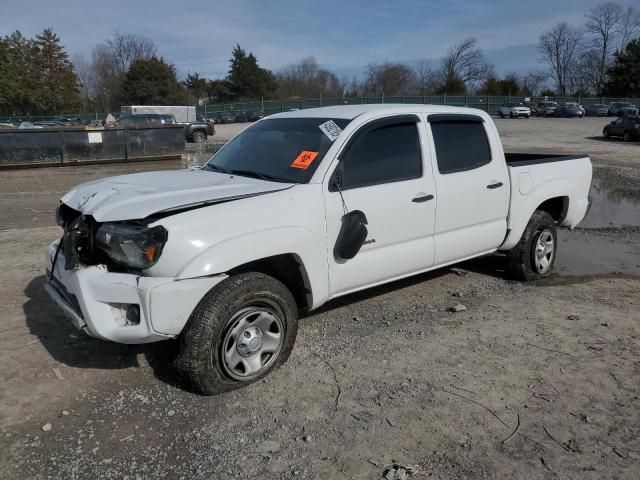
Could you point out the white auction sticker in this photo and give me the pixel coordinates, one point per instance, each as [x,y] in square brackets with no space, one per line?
[331,130]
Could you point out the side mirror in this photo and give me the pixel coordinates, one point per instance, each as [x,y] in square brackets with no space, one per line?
[352,235]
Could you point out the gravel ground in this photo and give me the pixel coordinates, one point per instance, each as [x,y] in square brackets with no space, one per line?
[530,381]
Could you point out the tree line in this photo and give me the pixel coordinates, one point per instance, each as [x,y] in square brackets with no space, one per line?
[37,76]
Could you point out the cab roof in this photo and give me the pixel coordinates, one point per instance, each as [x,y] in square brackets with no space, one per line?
[350,112]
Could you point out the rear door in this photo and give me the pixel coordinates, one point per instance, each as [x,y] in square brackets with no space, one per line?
[385,176]
[471,187]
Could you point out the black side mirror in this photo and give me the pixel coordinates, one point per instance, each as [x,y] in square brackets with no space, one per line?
[352,236]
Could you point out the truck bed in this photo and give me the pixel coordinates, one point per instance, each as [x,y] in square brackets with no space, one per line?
[537,178]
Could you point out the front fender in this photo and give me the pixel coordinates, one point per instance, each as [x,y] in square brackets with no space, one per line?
[249,247]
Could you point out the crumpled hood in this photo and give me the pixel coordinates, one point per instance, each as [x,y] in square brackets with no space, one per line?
[136,196]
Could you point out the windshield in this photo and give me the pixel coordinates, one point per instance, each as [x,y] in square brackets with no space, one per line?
[278,149]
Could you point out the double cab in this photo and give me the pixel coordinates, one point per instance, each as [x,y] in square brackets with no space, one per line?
[301,208]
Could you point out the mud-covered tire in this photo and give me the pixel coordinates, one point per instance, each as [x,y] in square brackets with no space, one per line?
[201,359]
[199,137]
[521,259]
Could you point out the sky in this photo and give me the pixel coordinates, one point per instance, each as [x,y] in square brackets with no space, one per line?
[343,35]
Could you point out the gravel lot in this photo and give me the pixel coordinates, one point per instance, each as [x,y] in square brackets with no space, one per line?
[530,381]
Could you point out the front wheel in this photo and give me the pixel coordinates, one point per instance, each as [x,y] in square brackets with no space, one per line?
[534,255]
[243,329]
[605,133]
[626,137]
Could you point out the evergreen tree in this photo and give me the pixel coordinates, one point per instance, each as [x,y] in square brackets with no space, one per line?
[196,85]
[624,74]
[18,79]
[57,82]
[151,82]
[246,78]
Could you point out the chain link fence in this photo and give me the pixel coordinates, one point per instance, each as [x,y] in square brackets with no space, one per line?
[488,103]
[268,107]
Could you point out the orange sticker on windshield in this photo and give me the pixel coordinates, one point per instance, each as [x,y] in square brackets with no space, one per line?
[303,160]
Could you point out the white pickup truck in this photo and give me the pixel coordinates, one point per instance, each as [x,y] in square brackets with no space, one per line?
[300,208]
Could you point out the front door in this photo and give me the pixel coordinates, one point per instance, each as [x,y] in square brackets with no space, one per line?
[384,175]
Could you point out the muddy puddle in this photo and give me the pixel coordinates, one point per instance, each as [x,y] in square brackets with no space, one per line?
[607,241]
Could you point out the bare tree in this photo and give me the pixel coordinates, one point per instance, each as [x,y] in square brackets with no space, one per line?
[82,66]
[558,48]
[628,27]
[388,79]
[125,48]
[427,79]
[602,24]
[467,62]
[305,78]
[110,62]
[533,81]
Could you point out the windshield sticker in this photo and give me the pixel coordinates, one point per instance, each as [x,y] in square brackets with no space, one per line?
[331,130]
[304,160]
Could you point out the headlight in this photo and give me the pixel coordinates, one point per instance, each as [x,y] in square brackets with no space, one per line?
[134,246]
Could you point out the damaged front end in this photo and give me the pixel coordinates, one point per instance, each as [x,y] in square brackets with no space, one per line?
[122,246]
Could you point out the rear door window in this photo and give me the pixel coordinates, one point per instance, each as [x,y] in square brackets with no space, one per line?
[460,145]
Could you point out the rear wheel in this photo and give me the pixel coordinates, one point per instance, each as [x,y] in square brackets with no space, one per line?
[244,328]
[511,114]
[199,137]
[534,255]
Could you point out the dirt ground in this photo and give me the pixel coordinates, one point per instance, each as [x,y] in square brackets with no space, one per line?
[531,381]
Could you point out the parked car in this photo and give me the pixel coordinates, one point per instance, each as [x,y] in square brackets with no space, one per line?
[618,109]
[569,110]
[199,131]
[298,209]
[193,132]
[597,110]
[514,110]
[627,127]
[255,116]
[533,106]
[146,120]
[546,108]
[226,117]
[240,117]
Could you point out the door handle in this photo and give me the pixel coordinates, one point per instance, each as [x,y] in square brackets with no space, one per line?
[491,186]
[422,199]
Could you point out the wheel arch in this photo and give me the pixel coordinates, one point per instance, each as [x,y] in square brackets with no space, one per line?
[549,198]
[288,269]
